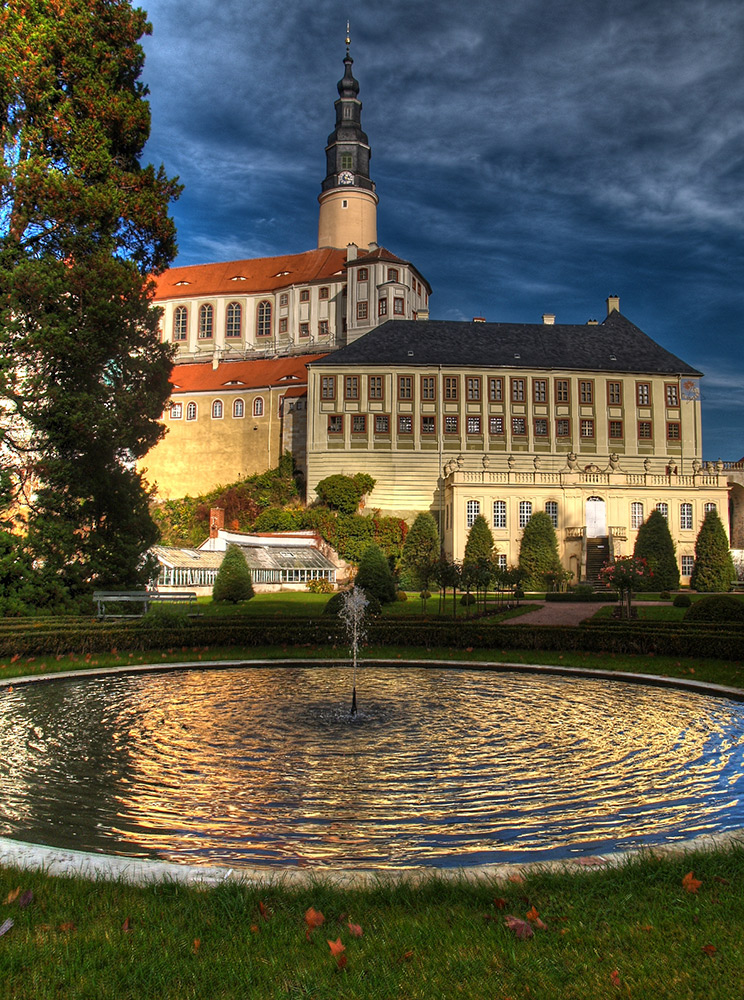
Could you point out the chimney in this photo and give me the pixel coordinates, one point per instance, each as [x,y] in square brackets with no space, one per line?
[216,521]
[479,319]
[215,361]
[548,319]
[351,251]
[592,322]
[613,304]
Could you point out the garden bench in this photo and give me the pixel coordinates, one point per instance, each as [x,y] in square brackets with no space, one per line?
[141,598]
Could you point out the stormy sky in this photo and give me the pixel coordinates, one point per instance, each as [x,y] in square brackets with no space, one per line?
[530,156]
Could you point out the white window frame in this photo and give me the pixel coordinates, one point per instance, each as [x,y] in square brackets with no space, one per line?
[472,510]
[499,513]
[636,515]
[525,512]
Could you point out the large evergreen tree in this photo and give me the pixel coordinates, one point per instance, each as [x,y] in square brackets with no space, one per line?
[83,377]
[479,545]
[538,551]
[374,575]
[654,544]
[234,582]
[421,550]
[714,567]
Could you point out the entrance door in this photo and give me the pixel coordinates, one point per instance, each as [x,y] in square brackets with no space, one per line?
[596,518]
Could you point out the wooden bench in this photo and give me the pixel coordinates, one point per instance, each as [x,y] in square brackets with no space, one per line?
[139,599]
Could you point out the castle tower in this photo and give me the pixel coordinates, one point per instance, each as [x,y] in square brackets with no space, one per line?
[348,203]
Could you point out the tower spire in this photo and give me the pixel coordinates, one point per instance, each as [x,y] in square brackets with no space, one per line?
[348,203]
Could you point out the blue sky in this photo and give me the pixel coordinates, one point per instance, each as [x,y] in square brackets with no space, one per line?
[530,156]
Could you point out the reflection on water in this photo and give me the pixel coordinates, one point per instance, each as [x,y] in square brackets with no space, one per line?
[266,767]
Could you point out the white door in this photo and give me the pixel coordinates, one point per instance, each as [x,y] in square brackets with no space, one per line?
[596,518]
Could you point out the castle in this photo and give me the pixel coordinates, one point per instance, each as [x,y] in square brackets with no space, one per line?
[331,354]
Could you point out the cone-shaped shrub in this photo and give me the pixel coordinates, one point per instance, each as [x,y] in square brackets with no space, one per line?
[374,576]
[421,550]
[655,545]
[479,545]
[714,567]
[233,582]
[538,553]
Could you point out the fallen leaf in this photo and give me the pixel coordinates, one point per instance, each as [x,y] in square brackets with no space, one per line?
[342,962]
[709,949]
[499,903]
[721,881]
[127,925]
[518,879]
[534,918]
[355,930]
[5,926]
[522,928]
[337,948]
[690,883]
[313,919]
[197,945]
[615,977]
[68,926]
[263,910]
[12,896]
[26,899]
[254,928]
[406,956]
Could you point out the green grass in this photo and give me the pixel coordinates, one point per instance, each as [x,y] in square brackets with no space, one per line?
[631,931]
[654,613]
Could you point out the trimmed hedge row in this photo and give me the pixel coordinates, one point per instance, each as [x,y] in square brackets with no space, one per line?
[666,638]
[569,597]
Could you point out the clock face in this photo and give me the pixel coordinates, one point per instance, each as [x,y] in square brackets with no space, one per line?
[346,177]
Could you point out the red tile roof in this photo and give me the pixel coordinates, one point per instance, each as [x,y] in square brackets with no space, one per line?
[261,274]
[236,375]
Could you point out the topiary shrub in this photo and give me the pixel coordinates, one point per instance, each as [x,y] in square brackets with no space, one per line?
[233,582]
[717,608]
[336,602]
[538,551]
[682,601]
[344,493]
[401,595]
[655,545]
[467,599]
[665,596]
[374,575]
[714,567]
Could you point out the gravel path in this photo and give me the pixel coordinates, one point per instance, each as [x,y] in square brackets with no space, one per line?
[558,614]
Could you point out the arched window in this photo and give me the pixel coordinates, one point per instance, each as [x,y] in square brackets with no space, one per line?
[180,323]
[191,411]
[472,510]
[551,509]
[233,320]
[258,406]
[206,318]
[636,515]
[263,319]
[685,516]
[525,512]
[663,509]
[709,507]
[238,408]
[217,409]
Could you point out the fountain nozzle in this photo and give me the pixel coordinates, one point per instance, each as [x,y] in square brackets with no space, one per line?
[353,701]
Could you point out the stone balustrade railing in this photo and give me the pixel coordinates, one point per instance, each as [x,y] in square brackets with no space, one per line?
[575,477]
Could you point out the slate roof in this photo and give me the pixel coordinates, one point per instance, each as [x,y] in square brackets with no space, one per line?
[615,345]
[236,375]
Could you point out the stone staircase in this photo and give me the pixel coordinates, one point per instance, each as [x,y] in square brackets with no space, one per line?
[597,554]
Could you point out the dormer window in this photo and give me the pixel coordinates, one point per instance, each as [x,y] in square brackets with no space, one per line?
[281,274]
[183,282]
[238,277]
[392,274]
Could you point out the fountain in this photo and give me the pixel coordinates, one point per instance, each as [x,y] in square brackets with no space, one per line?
[353,613]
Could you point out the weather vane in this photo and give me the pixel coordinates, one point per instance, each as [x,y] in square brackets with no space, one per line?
[348,38]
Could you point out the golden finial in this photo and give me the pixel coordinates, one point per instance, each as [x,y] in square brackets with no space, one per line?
[348,38]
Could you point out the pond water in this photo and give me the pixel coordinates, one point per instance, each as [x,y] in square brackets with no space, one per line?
[265,766]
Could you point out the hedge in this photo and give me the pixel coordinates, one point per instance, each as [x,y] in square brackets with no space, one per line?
[571,597]
[657,638]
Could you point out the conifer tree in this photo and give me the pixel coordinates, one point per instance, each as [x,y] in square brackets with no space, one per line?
[83,376]
[654,544]
[374,575]
[421,550]
[233,582]
[714,568]
[538,551]
[479,545]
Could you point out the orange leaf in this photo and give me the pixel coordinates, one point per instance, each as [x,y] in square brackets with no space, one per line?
[355,930]
[314,918]
[342,962]
[197,945]
[521,928]
[406,956]
[127,925]
[12,896]
[690,883]
[263,910]
[499,903]
[254,928]
[518,879]
[615,977]
[336,947]
[709,949]
[534,918]
[68,926]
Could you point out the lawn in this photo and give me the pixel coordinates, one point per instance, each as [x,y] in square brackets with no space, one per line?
[650,928]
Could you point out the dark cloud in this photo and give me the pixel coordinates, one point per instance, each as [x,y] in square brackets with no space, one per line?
[530,156]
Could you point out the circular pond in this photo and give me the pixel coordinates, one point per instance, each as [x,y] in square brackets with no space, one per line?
[265,766]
